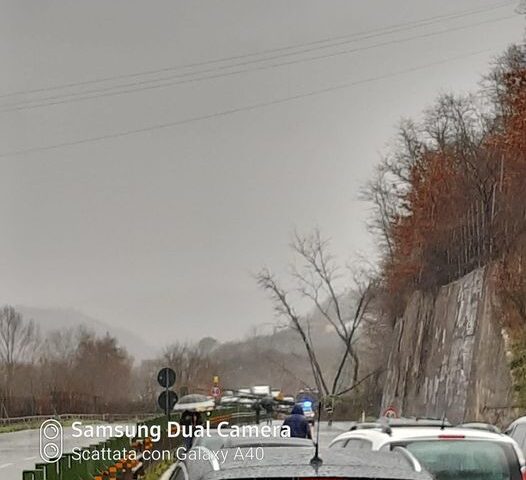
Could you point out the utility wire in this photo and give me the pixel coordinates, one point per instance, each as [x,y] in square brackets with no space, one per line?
[232,111]
[350,38]
[146,85]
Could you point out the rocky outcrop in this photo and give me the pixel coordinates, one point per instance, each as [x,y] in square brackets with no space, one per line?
[448,355]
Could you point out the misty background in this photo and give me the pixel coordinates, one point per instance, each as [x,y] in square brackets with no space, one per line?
[155,235]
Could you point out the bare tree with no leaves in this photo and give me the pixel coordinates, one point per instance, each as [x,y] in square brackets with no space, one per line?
[18,338]
[316,281]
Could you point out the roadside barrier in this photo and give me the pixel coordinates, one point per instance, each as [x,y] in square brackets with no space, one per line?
[103,417]
[126,467]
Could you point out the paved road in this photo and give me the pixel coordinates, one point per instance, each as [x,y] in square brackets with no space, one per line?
[20,450]
[328,433]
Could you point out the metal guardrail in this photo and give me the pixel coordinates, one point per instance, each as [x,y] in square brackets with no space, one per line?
[104,417]
[68,468]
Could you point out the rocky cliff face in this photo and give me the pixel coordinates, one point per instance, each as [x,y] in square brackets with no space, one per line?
[448,355]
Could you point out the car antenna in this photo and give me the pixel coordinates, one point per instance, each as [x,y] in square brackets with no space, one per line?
[443,425]
[316,461]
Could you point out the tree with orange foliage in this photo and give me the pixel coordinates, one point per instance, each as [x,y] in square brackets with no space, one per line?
[450,196]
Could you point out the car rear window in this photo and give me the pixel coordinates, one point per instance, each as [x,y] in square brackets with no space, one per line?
[466,459]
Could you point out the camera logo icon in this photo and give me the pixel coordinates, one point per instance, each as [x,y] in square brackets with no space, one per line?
[51,441]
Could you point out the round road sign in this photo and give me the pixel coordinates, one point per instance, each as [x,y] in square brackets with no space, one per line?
[167,400]
[216,391]
[390,412]
[166,377]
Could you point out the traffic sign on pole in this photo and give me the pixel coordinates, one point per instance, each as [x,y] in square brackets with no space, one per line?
[390,412]
[216,392]
[166,377]
[167,401]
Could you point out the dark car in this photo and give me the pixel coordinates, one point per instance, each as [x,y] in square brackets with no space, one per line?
[214,442]
[286,463]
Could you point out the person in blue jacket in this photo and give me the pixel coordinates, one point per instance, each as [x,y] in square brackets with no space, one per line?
[298,424]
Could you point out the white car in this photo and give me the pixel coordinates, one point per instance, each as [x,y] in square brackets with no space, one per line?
[517,431]
[448,453]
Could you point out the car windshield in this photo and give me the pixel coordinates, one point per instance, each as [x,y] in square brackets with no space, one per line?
[466,460]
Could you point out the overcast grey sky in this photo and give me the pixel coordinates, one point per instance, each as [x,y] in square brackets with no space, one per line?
[158,231]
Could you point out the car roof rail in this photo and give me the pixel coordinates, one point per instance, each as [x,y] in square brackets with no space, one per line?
[416,422]
[409,457]
[488,427]
[369,425]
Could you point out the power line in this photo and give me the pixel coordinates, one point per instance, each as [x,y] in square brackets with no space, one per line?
[351,38]
[145,82]
[146,85]
[232,111]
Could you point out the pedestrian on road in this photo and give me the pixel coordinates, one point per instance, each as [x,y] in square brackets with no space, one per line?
[189,422]
[298,424]
[257,408]
[268,404]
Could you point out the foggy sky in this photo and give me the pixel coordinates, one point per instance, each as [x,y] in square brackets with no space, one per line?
[159,231]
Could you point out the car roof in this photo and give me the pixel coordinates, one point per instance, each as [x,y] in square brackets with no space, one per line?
[388,423]
[407,433]
[480,426]
[517,421]
[261,441]
[283,462]
[254,441]
[417,422]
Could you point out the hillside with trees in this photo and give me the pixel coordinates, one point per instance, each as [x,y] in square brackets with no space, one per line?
[450,197]
[450,213]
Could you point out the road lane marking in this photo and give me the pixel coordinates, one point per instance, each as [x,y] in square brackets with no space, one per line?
[5,465]
[30,458]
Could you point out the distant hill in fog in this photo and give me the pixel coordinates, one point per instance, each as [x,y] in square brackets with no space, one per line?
[50,319]
[280,359]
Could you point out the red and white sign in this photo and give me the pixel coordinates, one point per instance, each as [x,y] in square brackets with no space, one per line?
[216,391]
[390,412]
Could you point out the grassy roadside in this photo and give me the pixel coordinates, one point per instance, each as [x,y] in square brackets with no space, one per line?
[18,427]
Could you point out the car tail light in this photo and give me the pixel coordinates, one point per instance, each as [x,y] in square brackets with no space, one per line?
[452,437]
[523,473]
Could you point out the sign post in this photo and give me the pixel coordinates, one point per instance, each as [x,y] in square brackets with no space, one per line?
[168,398]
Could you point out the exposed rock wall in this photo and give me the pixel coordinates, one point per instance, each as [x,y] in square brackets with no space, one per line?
[448,355]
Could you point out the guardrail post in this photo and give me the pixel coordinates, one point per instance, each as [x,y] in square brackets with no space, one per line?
[92,466]
[40,471]
[41,467]
[64,466]
[68,468]
[51,471]
[81,467]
